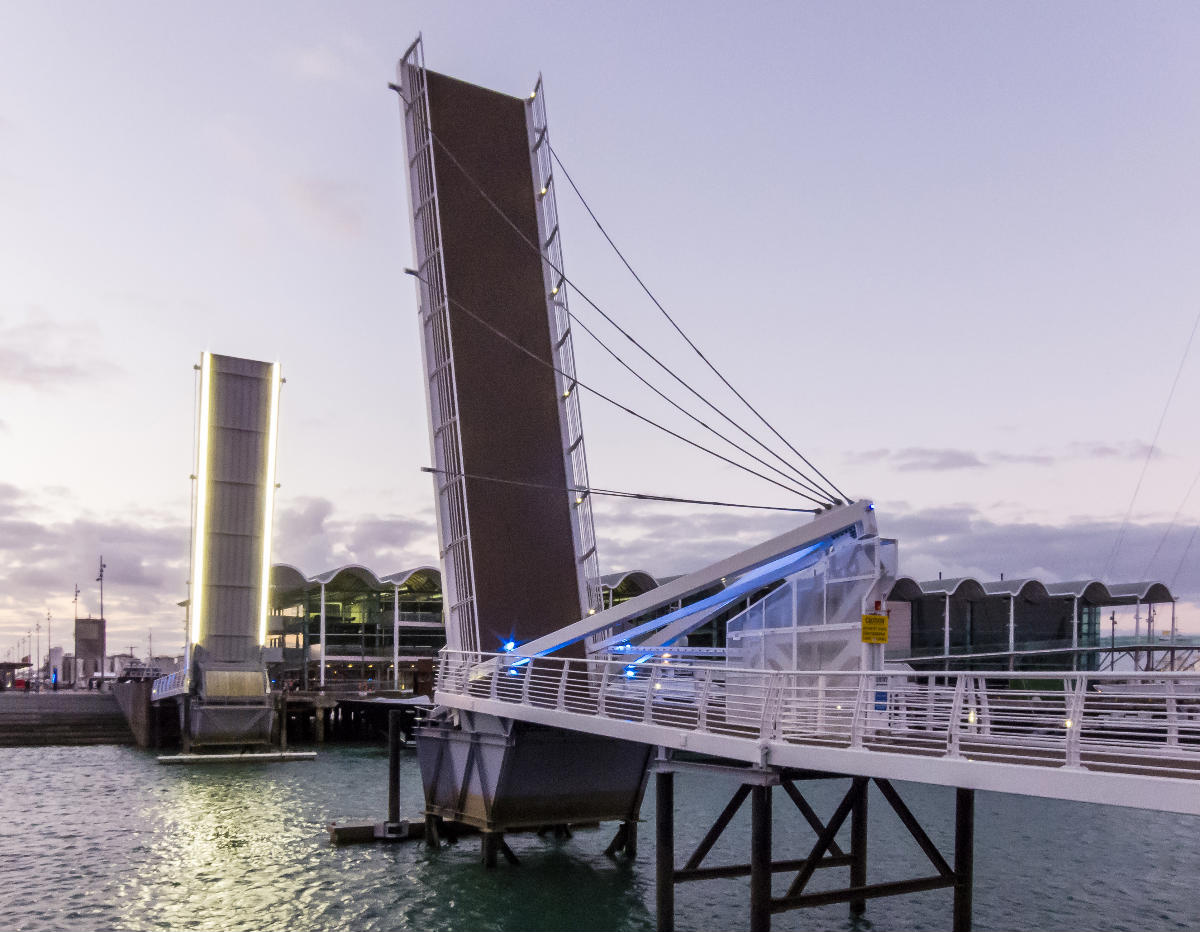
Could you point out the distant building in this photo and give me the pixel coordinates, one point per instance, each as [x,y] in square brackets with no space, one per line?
[90,641]
[350,626]
[1025,624]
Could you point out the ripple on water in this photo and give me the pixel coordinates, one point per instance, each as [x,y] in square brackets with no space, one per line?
[125,843]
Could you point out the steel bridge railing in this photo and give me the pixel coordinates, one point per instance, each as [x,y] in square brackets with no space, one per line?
[1144,724]
[173,684]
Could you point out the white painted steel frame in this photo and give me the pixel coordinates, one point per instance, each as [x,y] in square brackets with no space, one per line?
[1129,741]
[587,563]
[858,517]
[441,389]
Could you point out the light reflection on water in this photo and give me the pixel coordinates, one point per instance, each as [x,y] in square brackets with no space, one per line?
[107,838]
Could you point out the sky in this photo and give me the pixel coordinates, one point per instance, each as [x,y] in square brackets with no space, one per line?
[947,249]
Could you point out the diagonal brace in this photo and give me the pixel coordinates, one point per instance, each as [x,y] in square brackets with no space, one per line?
[718,827]
[914,827]
[810,816]
[826,837]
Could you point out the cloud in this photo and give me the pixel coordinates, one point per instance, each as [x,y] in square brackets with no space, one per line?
[1125,450]
[41,561]
[1030,459]
[40,353]
[310,537]
[943,459]
[954,540]
[332,206]
[148,563]
[935,460]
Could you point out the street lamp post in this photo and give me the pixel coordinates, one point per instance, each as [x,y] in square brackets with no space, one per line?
[75,661]
[103,623]
[37,658]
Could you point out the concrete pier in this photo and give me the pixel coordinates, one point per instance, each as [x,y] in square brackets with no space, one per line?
[49,718]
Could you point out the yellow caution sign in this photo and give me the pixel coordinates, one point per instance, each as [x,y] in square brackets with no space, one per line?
[874,629]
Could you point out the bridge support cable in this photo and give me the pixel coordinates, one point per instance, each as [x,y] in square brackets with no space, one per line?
[1170,527]
[678,407]
[603,397]
[757,784]
[1116,547]
[679,329]
[613,493]
[834,495]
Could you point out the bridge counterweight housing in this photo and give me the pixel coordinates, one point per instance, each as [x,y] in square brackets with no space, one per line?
[225,695]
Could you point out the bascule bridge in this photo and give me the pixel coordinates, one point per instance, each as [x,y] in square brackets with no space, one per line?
[554,709]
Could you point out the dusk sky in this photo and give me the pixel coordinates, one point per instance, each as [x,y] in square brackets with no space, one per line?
[948,249]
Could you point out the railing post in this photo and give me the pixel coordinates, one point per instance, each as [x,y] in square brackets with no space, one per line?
[856,721]
[702,699]
[562,686]
[1172,713]
[527,674]
[1074,723]
[822,680]
[604,668]
[985,714]
[768,720]
[955,724]
[495,677]
[648,705]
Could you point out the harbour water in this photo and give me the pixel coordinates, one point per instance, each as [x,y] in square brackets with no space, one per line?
[104,837]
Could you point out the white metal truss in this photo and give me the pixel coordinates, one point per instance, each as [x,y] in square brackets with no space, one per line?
[458,575]
[550,242]
[1131,740]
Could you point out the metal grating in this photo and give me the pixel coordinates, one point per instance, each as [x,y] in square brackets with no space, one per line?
[587,563]
[462,628]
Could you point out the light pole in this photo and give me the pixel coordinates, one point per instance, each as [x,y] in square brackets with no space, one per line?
[103,623]
[75,662]
[37,657]
[50,653]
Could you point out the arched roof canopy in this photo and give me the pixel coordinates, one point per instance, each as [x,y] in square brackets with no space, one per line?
[1029,590]
[346,576]
[288,580]
[962,587]
[905,589]
[1087,590]
[1129,593]
[424,579]
[629,583]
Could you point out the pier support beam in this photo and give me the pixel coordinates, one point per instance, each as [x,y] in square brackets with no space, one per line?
[395,737]
[858,848]
[185,737]
[756,784]
[664,854]
[964,858]
[760,859]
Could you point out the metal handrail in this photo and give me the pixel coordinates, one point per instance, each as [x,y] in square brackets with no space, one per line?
[1146,724]
[173,684]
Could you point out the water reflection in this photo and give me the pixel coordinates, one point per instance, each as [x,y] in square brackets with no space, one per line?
[107,838]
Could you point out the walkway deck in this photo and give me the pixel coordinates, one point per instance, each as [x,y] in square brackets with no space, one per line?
[1101,738]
